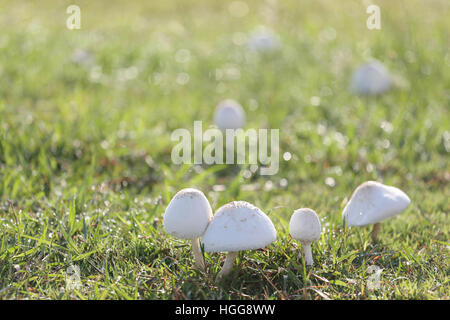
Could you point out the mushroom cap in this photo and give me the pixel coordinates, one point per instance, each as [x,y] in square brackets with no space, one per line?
[229,115]
[373,202]
[82,56]
[304,225]
[188,214]
[237,226]
[371,78]
[263,40]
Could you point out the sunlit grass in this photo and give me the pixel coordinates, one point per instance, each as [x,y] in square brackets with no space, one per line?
[85,167]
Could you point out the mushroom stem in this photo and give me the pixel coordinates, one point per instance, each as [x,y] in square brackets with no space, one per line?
[198,254]
[376,228]
[227,265]
[308,253]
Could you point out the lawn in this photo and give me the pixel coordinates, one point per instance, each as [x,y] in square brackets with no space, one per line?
[85,146]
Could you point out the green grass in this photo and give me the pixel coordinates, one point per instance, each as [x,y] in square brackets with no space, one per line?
[85,167]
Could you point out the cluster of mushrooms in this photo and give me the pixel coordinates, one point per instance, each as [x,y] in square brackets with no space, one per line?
[239,225]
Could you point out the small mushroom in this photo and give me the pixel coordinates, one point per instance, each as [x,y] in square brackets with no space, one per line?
[373,202]
[371,78]
[238,226]
[263,40]
[229,115]
[82,57]
[305,227]
[187,217]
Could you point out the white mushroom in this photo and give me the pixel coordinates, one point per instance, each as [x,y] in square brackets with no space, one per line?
[229,115]
[187,216]
[371,78]
[263,40]
[305,227]
[82,57]
[373,202]
[238,226]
